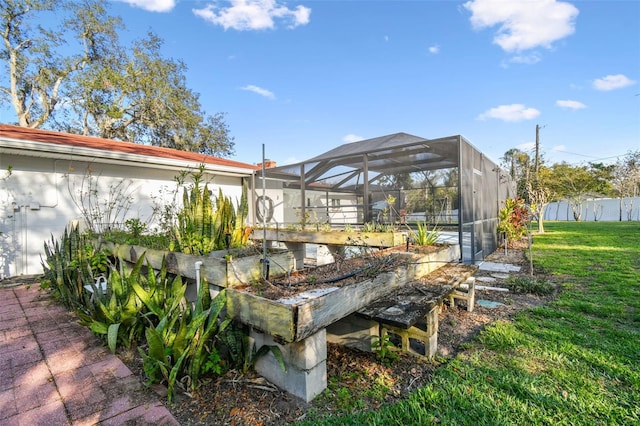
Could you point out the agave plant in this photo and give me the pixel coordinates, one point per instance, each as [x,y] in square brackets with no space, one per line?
[425,236]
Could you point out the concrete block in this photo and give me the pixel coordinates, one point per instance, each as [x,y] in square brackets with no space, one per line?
[299,252]
[420,340]
[306,364]
[324,255]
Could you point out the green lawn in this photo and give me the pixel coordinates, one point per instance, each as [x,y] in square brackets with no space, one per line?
[575,361]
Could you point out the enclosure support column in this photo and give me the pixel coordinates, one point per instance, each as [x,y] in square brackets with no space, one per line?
[365,187]
[303,197]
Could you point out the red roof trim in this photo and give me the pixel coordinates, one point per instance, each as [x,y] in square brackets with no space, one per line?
[59,138]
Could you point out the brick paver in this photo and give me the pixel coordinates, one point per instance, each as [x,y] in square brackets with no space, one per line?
[55,372]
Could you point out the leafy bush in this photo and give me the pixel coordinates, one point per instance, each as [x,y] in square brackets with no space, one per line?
[182,343]
[384,349]
[513,219]
[115,311]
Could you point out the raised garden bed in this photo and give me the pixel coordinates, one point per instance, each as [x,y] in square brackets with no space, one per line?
[223,271]
[297,314]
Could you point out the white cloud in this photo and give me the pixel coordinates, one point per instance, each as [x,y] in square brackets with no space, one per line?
[153,5]
[253,14]
[569,104]
[526,59]
[612,82]
[524,25]
[559,148]
[352,138]
[259,90]
[513,113]
[435,49]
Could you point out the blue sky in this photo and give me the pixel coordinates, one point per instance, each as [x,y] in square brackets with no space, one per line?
[302,77]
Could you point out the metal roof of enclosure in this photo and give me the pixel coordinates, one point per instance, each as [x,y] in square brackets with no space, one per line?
[404,179]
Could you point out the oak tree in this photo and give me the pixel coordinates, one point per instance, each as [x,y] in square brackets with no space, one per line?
[79,78]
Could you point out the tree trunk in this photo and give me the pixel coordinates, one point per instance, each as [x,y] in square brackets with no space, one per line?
[540,213]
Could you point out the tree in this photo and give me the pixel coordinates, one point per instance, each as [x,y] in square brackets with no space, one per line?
[626,180]
[108,90]
[539,194]
[578,183]
[435,192]
[144,97]
[35,71]
[518,163]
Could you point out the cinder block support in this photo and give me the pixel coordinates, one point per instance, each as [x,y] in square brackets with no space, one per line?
[468,294]
[353,331]
[424,335]
[299,251]
[324,255]
[306,362]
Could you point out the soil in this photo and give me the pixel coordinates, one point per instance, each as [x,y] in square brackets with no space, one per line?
[356,380]
[342,272]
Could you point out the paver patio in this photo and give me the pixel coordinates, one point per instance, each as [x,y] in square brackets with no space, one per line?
[54,371]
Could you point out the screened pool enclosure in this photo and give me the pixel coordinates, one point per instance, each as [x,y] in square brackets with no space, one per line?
[399,180]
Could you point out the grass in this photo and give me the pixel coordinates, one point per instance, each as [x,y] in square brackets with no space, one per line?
[575,361]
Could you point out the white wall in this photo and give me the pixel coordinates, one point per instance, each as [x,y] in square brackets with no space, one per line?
[37,201]
[603,209]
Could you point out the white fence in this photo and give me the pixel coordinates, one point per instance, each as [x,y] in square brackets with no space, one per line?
[600,209]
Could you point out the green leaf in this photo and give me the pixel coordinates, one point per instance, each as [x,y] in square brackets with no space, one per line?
[112,337]
[156,345]
[173,375]
[277,354]
[99,327]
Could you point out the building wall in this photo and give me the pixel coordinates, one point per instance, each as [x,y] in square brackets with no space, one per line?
[42,196]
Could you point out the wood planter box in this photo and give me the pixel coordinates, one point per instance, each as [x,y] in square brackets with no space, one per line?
[217,271]
[343,238]
[296,318]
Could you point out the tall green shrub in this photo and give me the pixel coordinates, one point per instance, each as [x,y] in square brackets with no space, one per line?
[201,229]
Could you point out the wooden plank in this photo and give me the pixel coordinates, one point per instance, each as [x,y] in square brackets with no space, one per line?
[214,270]
[355,238]
[315,314]
[320,312]
[266,315]
[245,270]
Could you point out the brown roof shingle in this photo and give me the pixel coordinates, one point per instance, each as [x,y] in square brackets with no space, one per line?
[59,138]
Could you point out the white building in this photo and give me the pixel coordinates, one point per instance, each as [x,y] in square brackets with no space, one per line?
[45,178]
